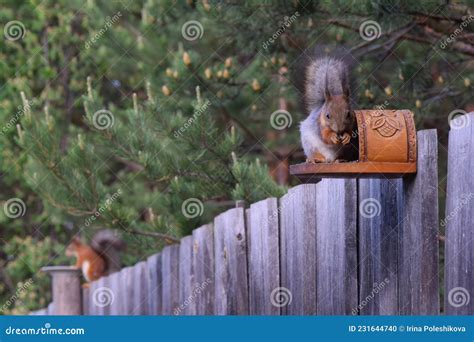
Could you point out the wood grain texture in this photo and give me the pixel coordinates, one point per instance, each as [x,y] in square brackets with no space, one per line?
[298,249]
[231,282]
[459,219]
[116,307]
[263,257]
[170,276]
[155,281]
[380,222]
[187,300]
[128,291]
[418,285]
[85,302]
[336,246]
[203,268]
[140,288]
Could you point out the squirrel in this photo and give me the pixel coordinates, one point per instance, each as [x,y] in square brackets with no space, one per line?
[327,133]
[98,259]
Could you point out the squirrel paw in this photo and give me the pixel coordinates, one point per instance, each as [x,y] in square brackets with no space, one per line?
[346,138]
[334,138]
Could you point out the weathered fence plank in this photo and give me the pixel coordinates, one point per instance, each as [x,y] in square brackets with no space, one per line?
[116,307]
[154,284]
[418,282]
[459,220]
[264,257]
[380,222]
[298,250]
[203,268]
[186,305]
[140,289]
[336,246]
[129,292]
[85,302]
[170,276]
[231,282]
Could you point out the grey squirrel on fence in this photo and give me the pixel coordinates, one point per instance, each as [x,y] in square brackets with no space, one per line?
[327,134]
[100,258]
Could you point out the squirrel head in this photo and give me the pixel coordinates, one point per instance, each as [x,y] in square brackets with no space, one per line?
[337,114]
[73,246]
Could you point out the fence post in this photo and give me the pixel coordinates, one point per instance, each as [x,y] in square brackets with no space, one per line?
[380,222]
[418,285]
[231,281]
[66,290]
[265,293]
[459,243]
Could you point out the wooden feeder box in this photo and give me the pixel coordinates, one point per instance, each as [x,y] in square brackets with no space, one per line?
[387,148]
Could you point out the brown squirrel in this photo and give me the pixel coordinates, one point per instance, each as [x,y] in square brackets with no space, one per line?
[327,132]
[98,259]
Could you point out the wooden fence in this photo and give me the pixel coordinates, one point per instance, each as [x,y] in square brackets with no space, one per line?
[338,247]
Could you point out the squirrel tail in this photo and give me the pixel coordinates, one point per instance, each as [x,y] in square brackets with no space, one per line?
[109,245]
[322,70]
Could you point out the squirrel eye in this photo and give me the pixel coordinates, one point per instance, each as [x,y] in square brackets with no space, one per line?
[327,115]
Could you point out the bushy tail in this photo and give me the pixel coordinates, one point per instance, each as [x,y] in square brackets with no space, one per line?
[109,245]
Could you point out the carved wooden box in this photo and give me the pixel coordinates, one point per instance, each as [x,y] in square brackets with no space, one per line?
[387,148]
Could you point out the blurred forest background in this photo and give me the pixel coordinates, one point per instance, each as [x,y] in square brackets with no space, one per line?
[150,117]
